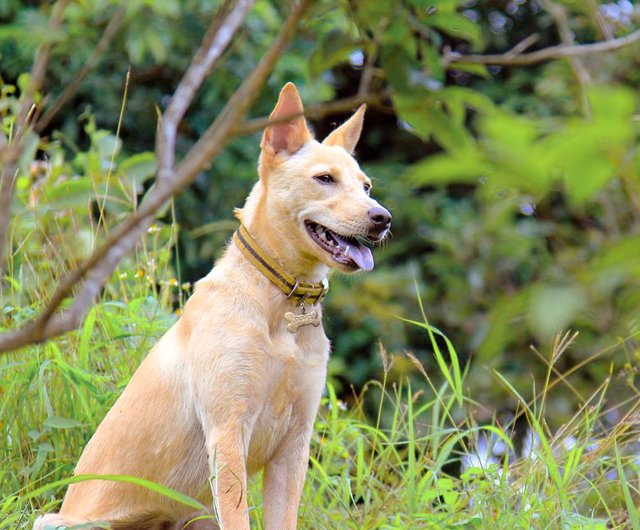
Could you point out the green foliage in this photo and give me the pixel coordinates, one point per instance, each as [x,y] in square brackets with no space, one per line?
[418,464]
[521,221]
[516,204]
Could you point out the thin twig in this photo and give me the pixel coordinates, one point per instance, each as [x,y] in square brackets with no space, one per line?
[367,72]
[213,139]
[371,56]
[559,14]
[216,40]
[603,25]
[546,54]
[13,150]
[100,265]
[70,90]
[523,45]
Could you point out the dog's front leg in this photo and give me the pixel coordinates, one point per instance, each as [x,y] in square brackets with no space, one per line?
[284,477]
[228,465]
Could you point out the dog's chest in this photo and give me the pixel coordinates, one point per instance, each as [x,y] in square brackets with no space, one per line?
[296,377]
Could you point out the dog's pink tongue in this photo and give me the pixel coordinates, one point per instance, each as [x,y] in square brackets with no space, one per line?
[361,256]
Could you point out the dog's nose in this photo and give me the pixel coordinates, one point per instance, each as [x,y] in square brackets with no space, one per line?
[380,217]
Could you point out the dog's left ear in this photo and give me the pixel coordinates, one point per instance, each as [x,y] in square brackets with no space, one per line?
[288,136]
[348,134]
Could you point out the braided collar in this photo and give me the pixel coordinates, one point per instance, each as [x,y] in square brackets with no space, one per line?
[293,288]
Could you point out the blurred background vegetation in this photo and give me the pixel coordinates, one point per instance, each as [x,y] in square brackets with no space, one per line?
[514,190]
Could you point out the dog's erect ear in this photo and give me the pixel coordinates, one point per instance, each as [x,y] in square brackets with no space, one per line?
[291,135]
[348,133]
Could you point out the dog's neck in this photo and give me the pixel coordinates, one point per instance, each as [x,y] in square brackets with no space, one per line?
[270,231]
[289,257]
[292,287]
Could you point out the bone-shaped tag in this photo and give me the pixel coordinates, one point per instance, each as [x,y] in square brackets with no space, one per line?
[303,319]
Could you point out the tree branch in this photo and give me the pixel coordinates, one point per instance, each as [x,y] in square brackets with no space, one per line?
[70,90]
[121,241]
[559,14]
[217,38]
[546,54]
[213,139]
[10,155]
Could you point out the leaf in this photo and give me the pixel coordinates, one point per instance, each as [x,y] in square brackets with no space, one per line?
[584,181]
[432,61]
[424,112]
[446,169]
[579,154]
[612,103]
[552,308]
[138,168]
[509,130]
[107,145]
[455,25]
[399,33]
[70,193]
[373,12]
[472,68]
[397,65]
[167,492]
[156,45]
[332,50]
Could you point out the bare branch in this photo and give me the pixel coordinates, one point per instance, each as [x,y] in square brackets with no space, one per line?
[603,26]
[213,139]
[559,14]
[371,55]
[523,45]
[217,38]
[12,151]
[70,90]
[121,241]
[39,70]
[547,54]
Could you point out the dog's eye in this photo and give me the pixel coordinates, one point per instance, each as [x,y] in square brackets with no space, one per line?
[367,188]
[325,178]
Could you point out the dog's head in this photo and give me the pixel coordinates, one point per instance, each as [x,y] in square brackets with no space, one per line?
[312,196]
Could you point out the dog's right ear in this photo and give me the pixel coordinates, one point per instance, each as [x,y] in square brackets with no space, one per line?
[291,135]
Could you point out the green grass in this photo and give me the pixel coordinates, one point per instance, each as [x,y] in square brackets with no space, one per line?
[397,469]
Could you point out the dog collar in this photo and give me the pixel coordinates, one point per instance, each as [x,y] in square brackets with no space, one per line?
[294,289]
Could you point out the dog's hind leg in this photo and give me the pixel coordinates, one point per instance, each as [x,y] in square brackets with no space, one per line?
[55,521]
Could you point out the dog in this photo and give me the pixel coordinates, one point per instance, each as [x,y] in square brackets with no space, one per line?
[234,386]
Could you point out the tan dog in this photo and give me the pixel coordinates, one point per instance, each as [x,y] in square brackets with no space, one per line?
[234,385]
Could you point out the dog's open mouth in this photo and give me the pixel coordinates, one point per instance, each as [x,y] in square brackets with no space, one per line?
[346,250]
